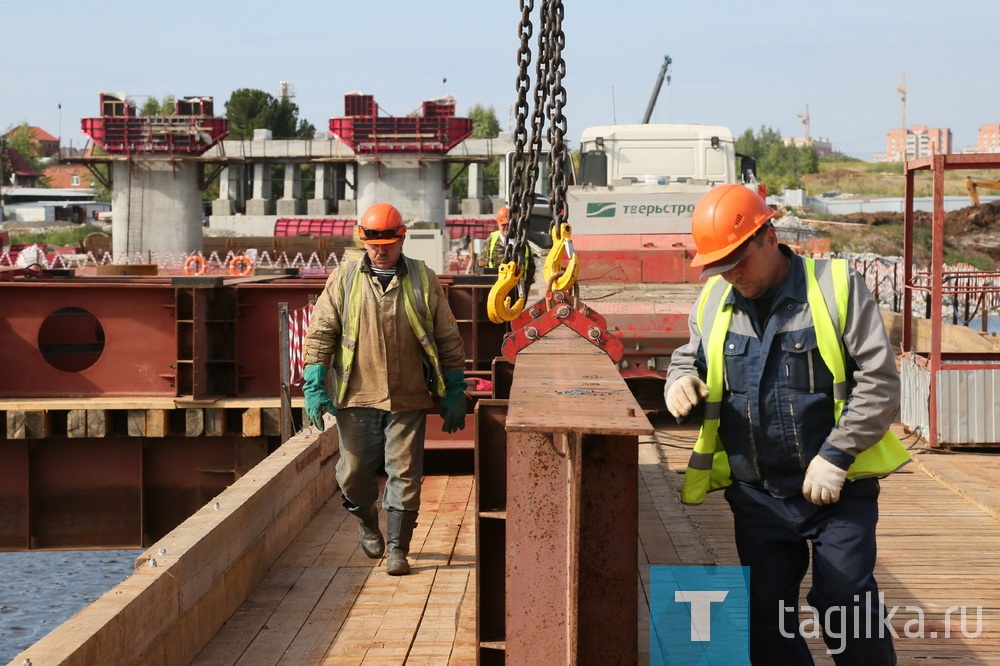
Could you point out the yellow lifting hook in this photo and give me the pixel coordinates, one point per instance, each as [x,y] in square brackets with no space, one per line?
[561,240]
[498,305]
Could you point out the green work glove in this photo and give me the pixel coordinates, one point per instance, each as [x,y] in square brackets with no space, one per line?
[317,399]
[453,405]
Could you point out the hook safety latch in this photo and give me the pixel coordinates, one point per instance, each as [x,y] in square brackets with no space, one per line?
[498,304]
[565,277]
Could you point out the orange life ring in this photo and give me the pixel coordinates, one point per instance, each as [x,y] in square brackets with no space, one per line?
[240,265]
[194,265]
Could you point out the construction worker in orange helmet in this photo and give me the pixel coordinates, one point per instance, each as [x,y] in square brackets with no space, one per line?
[493,256]
[765,370]
[383,322]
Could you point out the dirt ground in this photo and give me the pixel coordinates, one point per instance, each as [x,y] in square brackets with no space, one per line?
[974,226]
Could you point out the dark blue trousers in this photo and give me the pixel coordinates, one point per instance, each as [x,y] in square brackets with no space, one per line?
[772,538]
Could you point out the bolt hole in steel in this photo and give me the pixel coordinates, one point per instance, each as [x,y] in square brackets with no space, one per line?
[71,339]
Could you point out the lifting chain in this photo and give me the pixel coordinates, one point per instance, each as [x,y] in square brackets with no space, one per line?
[549,99]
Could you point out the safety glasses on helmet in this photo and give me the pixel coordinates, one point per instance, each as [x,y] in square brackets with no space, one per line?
[379,234]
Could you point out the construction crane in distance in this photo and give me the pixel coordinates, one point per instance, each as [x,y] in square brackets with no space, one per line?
[656,89]
[805,121]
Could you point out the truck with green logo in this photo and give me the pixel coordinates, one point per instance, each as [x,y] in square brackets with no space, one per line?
[630,202]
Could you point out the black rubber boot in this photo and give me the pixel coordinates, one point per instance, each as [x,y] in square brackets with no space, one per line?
[400,531]
[371,536]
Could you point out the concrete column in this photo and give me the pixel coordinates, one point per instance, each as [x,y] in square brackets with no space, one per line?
[157,211]
[473,205]
[261,203]
[229,185]
[349,204]
[320,203]
[475,180]
[416,188]
[291,202]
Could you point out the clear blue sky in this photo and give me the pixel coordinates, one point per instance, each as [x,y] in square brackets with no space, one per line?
[740,64]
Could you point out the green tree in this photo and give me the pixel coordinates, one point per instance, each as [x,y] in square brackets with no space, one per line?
[249,109]
[484,126]
[779,165]
[153,107]
[21,139]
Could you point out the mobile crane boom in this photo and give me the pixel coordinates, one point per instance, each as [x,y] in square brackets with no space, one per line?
[656,89]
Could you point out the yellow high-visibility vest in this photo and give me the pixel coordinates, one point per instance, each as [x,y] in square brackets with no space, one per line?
[708,468]
[416,302]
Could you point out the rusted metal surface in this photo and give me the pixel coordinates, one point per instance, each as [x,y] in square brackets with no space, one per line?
[91,337]
[569,509]
[112,492]
[960,387]
[159,362]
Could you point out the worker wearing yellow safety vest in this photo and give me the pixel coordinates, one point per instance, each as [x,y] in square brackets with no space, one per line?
[386,326]
[495,244]
[792,374]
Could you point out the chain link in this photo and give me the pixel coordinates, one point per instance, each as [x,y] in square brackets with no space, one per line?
[549,99]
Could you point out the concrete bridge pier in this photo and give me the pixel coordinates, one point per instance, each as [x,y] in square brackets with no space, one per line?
[157,206]
[414,186]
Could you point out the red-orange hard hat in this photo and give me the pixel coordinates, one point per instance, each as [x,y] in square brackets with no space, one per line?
[723,219]
[503,215]
[381,224]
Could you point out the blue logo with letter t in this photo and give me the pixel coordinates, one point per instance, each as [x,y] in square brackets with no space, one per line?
[699,615]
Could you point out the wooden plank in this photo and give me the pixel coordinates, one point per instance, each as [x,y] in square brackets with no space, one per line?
[270,421]
[137,423]
[98,423]
[289,616]
[251,422]
[157,423]
[76,423]
[15,424]
[215,422]
[194,422]
[38,424]
[438,628]
[240,630]
[313,640]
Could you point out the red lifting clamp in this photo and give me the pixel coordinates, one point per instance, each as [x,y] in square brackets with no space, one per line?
[560,307]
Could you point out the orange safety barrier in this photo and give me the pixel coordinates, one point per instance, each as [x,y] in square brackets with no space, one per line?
[194,265]
[240,265]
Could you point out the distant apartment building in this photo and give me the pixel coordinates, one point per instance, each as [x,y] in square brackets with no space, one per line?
[824,148]
[916,142]
[989,139]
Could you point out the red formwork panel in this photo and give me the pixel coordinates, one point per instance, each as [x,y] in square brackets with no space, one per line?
[301,226]
[472,227]
[158,135]
[132,353]
[636,258]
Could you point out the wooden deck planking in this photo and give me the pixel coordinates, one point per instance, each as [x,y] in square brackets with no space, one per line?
[324,602]
[936,549]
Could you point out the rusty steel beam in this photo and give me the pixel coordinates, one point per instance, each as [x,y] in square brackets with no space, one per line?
[569,509]
[90,337]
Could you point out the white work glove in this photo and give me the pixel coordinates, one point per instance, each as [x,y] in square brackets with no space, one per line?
[823,482]
[684,394]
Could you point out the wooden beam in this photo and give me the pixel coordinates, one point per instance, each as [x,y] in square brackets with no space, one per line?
[76,423]
[251,422]
[98,423]
[215,422]
[194,420]
[157,423]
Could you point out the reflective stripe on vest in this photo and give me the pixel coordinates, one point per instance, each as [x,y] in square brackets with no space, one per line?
[709,469]
[416,304]
[494,239]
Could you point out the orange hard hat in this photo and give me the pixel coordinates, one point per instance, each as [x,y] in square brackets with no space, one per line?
[381,224]
[723,219]
[503,215]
